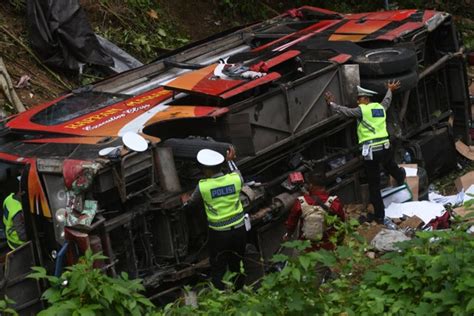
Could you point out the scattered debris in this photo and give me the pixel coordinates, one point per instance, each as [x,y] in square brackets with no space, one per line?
[33,55]
[152,14]
[24,82]
[468,197]
[399,194]
[386,239]
[370,254]
[369,230]
[439,222]
[413,222]
[122,60]
[423,209]
[64,24]
[462,212]
[84,217]
[464,181]
[8,89]
[389,224]
[466,151]
[412,180]
[357,209]
[450,199]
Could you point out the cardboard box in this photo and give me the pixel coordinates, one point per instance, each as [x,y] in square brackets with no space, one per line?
[412,182]
[412,222]
[461,211]
[465,181]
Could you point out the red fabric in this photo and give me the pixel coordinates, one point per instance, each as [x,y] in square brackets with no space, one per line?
[72,169]
[440,222]
[295,216]
[294,13]
[259,67]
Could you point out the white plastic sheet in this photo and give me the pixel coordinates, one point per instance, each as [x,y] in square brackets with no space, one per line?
[452,199]
[423,209]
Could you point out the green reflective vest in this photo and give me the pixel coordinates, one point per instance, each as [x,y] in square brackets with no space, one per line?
[11,207]
[221,198]
[373,125]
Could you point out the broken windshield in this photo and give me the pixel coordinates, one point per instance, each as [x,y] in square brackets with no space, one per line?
[75,106]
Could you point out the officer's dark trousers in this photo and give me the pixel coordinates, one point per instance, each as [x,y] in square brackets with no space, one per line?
[227,249]
[382,157]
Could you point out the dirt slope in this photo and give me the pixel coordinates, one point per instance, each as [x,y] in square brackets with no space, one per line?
[145,28]
[19,62]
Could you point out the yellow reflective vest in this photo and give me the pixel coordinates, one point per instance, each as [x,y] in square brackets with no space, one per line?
[221,196]
[11,207]
[373,124]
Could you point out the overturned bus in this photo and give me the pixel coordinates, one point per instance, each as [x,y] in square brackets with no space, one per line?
[259,88]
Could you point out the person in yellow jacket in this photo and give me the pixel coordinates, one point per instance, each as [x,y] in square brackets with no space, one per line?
[219,193]
[373,140]
[13,220]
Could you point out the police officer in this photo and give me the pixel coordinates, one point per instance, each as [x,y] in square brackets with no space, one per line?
[14,221]
[374,141]
[219,193]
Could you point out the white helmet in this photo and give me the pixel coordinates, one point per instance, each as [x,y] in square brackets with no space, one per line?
[209,158]
[362,92]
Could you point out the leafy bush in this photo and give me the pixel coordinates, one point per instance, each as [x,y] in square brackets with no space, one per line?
[434,275]
[152,33]
[431,275]
[5,307]
[248,10]
[294,290]
[85,290]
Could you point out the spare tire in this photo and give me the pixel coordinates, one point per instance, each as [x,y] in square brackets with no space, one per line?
[408,81]
[386,61]
[189,147]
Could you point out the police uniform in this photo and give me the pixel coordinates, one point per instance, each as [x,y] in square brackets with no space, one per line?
[13,221]
[220,195]
[375,145]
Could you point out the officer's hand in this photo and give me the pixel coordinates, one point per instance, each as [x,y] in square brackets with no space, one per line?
[231,154]
[185,198]
[329,97]
[394,85]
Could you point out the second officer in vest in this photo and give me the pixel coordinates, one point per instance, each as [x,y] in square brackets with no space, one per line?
[220,195]
[13,220]
[374,141]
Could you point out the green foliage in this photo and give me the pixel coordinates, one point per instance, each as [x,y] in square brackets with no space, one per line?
[5,307]
[248,10]
[469,203]
[152,32]
[84,290]
[432,275]
[294,290]
[18,5]
[139,4]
